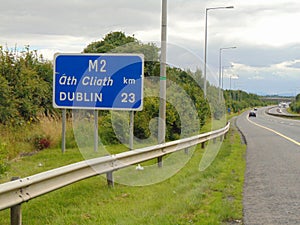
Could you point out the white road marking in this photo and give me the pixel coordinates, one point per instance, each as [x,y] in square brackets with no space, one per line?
[269,129]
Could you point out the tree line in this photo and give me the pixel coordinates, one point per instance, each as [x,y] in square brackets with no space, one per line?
[237,100]
[26,88]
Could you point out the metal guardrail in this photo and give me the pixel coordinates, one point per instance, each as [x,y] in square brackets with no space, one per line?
[283,115]
[22,190]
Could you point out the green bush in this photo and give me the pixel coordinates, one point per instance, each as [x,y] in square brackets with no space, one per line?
[106,131]
[295,105]
[41,142]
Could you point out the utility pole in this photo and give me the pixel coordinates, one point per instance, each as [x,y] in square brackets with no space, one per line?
[163,79]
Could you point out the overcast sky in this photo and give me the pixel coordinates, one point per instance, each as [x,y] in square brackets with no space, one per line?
[265,32]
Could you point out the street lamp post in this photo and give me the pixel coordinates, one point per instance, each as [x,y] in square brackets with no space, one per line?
[205,41]
[220,68]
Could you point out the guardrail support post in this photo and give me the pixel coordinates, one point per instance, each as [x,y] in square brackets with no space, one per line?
[221,138]
[16,215]
[186,151]
[203,145]
[15,212]
[110,179]
[160,161]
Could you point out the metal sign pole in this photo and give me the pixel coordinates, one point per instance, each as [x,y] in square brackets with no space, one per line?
[96,131]
[131,125]
[63,135]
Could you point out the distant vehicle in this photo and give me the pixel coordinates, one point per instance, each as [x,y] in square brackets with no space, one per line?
[282,104]
[252,114]
[255,109]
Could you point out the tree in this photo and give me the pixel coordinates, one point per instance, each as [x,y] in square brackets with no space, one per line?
[26,86]
[7,102]
[118,42]
[110,42]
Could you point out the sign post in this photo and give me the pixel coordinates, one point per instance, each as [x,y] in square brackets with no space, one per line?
[98,82]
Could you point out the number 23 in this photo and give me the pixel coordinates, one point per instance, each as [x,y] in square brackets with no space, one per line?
[128,97]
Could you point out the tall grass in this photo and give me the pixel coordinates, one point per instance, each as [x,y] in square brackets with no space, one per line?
[28,138]
[20,139]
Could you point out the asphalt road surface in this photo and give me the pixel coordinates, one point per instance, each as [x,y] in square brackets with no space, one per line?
[272,179]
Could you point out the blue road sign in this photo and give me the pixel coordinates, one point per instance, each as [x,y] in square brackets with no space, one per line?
[98,81]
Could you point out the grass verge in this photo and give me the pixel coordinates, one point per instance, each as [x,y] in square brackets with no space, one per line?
[213,196]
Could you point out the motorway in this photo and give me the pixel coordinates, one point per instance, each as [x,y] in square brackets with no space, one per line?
[272,178]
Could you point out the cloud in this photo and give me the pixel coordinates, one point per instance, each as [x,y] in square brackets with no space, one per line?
[257,78]
[267,23]
[46,20]
[295,64]
[283,68]
[275,78]
[265,32]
